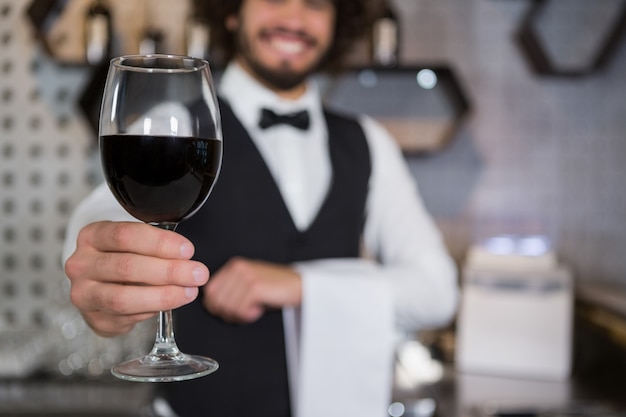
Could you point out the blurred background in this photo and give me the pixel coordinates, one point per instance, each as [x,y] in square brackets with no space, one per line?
[512,117]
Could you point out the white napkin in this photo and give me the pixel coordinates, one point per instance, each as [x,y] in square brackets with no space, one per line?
[341,363]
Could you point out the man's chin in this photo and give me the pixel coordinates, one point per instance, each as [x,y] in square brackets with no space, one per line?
[281,79]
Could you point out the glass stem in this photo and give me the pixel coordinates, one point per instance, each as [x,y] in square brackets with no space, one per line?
[165,344]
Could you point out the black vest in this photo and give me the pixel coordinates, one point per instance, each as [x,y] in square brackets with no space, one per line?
[246,216]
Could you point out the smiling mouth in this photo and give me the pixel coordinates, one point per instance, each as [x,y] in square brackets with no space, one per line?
[288,42]
[287,47]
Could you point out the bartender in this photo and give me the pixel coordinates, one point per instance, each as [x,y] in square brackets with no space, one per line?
[317,240]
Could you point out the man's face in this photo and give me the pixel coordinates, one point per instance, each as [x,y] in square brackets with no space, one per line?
[283,41]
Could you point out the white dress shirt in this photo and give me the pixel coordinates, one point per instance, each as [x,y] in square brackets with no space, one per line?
[407,279]
[399,233]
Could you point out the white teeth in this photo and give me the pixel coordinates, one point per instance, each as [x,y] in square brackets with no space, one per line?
[287,47]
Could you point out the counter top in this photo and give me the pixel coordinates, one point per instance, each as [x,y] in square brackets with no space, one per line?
[596,387]
[467,395]
[67,397]
[455,395]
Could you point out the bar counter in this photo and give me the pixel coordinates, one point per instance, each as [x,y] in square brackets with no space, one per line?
[69,397]
[596,388]
[455,395]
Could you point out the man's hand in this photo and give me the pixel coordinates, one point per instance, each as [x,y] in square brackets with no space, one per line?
[242,289]
[123,273]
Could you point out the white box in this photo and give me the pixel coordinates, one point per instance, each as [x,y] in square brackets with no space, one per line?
[516,322]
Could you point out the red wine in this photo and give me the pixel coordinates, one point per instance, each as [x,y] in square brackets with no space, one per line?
[160,178]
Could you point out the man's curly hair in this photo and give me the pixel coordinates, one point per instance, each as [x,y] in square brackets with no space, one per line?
[353,19]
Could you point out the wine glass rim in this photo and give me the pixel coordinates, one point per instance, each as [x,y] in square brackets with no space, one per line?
[142,63]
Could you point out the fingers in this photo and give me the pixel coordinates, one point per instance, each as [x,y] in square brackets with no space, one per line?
[225,295]
[243,289]
[233,311]
[120,300]
[230,287]
[123,273]
[134,253]
[113,325]
[136,269]
[137,238]
[113,309]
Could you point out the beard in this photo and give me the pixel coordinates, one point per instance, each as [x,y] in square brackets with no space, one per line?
[284,77]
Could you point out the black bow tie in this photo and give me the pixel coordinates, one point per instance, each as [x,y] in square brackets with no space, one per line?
[298,119]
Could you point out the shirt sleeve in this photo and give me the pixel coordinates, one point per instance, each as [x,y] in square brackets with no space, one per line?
[401,236]
[99,205]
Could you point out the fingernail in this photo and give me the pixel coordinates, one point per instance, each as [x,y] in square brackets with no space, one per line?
[186,250]
[191,292]
[198,274]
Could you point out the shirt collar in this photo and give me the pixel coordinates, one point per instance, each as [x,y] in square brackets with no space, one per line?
[247,96]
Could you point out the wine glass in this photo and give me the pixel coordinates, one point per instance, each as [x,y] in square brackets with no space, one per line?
[161,149]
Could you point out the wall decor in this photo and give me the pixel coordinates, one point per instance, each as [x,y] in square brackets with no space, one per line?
[571,37]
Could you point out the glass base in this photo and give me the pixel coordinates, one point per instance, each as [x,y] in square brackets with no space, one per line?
[165,368]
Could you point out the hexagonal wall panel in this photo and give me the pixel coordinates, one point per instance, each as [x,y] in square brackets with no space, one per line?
[571,37]
[55,26]
[91,97]
[60,26]
[421,106]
